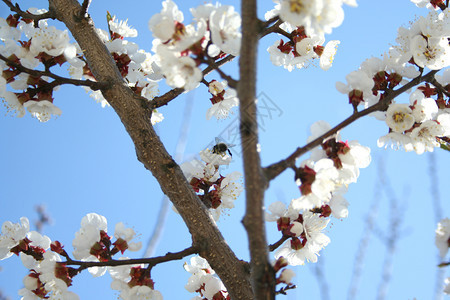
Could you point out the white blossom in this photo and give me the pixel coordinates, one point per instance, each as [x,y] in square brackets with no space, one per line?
[88,235]
[122,28]
[162,24]
[203,277]
[316,241]
[399,117]
[222,109]
[317,16]
[11,235]
[42,110]
[327,57]
[424,137]
[127,234]
[13,104]
[225,26]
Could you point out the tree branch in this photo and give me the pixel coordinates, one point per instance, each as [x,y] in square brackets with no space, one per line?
[277,244]
[262,274]
[84,8]
[26,15]
[439,86]
[276,169]
[153,261]
[172,94]
[93,85]
[152,153]
[276,28]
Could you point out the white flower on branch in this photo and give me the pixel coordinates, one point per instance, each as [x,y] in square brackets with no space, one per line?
[122,28]
[11,235]
[317,16]
[313,238]
[162,25]
[42,110]
[399,117]
[225,26]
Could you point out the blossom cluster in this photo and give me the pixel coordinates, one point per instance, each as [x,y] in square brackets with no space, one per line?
[216,191]
[306,23]
[138,67]
[180,49]
[204,282]
[223,99]
[50,277]
[302,49]
[424,123]
[316,16]
[44,46]
[322,180]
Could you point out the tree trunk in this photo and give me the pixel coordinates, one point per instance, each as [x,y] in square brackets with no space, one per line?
[135,115]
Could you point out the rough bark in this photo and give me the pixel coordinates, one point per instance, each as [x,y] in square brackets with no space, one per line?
[262,277]
[135,115]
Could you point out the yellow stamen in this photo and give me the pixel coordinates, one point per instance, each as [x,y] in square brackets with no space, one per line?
[296,6]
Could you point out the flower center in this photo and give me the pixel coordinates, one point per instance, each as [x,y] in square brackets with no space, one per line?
[296,6]
[398,117]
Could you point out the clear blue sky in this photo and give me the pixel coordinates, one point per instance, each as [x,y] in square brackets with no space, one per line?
[84,162]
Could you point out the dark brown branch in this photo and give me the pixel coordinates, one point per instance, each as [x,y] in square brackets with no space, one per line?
[84,8]
[153,155]
[93,85]
[172,94]
[439,86]
[276,28]
[444,264]
[276,169]
[153,261]
[262,273]
[26,15]
[277,244]
[230,81]
[283,290]
[266,24]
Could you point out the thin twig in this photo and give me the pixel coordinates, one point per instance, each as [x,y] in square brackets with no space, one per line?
[26,15]
[276,169]
[266,24]
[275,28]
[172,94]
[283,290]
[93,85]
[439,86]
[230,80]
[277,244]
[153,261]
[84,8]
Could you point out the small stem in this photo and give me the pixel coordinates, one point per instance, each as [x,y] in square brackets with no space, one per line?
[277,244]
[442,89]
[276,28]
[153,261]
[93,85]
[26,15]
[172,94]
[84,8]
[276,169]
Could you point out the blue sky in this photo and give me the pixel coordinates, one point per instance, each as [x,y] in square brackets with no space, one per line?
[84,162]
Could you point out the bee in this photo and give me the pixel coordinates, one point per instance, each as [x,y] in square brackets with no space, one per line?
[221,147]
